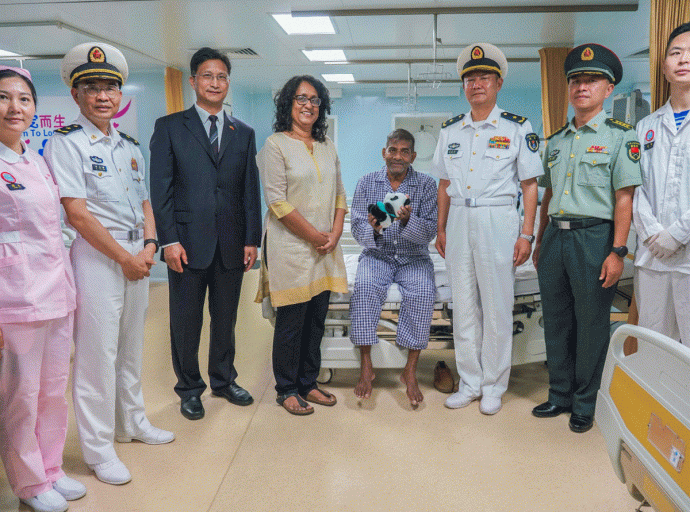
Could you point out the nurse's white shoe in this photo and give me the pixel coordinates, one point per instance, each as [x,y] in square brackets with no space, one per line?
[49,501]
[490,405]
[112,472]
[459,400]
[69,488]
[151,436]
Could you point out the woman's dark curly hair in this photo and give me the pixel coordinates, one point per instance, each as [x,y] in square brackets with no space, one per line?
[285,97]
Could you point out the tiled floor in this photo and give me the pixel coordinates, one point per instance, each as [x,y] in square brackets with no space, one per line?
[377,455]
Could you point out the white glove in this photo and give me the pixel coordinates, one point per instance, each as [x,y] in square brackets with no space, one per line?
[663,245]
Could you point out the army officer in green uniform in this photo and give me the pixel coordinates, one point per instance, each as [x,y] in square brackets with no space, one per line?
[591,168]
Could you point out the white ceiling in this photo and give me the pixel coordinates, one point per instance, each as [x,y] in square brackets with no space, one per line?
[153,34]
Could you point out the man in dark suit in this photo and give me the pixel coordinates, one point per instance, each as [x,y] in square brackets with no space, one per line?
[205,197]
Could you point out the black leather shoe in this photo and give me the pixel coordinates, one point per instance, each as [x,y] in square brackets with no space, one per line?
[579,423]
[192,408]
[235,394]
[548,410]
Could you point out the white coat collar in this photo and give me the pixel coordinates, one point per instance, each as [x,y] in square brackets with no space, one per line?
[668,119]
[493,120]
[93,134]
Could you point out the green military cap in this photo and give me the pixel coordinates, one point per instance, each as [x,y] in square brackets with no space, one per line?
[593,59]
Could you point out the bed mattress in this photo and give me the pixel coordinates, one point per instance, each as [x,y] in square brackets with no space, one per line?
[526,282]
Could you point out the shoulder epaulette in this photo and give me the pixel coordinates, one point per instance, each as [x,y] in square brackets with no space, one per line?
[68,129]
[513,117]
[557,131]
[453,120]
[618,124]
[128,138]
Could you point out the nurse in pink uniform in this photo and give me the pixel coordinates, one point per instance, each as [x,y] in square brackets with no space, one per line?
[37,302]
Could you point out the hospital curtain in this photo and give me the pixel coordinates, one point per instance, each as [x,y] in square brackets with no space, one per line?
[554,89]
[173,90]
[664,17]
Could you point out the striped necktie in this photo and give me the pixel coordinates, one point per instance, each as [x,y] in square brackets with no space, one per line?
[213,134]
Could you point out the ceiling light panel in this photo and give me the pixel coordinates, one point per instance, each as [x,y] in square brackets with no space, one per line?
[304,24]
[338,77]
[325,55]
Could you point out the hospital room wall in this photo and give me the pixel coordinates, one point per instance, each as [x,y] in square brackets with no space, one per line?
[364,120]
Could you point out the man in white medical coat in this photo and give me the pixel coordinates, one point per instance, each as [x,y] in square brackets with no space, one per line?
[480,158]
[661,210]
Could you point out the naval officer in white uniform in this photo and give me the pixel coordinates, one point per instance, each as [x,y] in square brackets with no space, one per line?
[100,172]
[482,158]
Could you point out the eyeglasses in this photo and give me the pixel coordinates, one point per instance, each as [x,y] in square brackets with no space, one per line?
[303,100]
[112,91]
[482,80]
[210,77]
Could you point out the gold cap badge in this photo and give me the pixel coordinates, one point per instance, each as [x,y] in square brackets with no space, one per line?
[477,53]
[96,55]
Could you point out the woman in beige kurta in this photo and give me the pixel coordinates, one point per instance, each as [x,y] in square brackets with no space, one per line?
[302,261]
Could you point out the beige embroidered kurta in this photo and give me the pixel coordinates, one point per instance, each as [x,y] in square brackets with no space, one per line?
[293,178]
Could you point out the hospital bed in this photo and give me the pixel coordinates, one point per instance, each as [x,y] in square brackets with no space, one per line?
[643,412]
[337,351]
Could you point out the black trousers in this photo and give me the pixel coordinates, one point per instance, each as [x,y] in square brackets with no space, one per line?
[297,344]
[187,296]
[576,311]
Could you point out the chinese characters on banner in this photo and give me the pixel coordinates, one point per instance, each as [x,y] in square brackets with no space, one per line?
[54,112]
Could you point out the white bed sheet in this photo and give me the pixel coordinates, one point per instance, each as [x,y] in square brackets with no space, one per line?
[526,282]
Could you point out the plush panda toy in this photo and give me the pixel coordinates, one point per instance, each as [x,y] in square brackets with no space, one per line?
[385,212]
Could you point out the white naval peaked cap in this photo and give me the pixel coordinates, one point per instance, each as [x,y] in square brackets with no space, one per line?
[93,60]
[482,57]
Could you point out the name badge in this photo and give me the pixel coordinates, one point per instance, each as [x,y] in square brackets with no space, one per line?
[11,181]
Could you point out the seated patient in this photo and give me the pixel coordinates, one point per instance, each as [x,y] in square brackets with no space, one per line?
[399,254]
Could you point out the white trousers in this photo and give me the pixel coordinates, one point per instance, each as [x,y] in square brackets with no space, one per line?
[479,257]
[109,335]
[663,301]
[33,410]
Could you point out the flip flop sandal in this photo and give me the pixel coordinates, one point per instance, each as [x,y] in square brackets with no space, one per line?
[329,401]
[297,412]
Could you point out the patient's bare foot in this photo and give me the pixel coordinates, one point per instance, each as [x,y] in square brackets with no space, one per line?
[409,378]
[363,387]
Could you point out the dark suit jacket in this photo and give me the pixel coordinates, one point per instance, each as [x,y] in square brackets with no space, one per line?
[200,200]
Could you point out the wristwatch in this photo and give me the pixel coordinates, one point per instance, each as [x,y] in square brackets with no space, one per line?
[621,251]
[529,238]
[152,241]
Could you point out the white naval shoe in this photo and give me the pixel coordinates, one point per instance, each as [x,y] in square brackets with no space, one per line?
[49,501]
[459,400]
[151,436]
[112,472]
[490,405]
[70,488]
